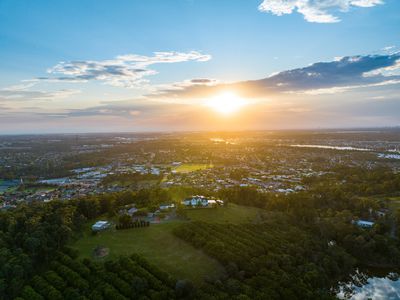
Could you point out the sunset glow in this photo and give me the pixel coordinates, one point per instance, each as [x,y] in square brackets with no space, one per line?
[199,149]
[286,65]
[226,103]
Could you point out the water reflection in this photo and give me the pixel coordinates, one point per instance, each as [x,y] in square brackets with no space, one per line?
[377,288]
[331,147]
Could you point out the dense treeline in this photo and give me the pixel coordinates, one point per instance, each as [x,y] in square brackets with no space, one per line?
[357,181]
[279,260]
[305,241]
[34,171]
[123,278]
[129,178]
[329,206]
[31,234]
[29,237]
[111,203]
[344,189]
[132,224]
[300,247]
[268,262]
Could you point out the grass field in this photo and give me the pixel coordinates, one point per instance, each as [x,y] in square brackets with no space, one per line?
[158,245]
[139,183]
[228,214]
[394,203]
[186,168]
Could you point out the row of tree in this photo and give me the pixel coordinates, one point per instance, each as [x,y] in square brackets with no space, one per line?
[123,278]
[269,261]
[126,222]
[31,234]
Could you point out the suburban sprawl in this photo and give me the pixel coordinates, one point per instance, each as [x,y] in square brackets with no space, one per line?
[198,215]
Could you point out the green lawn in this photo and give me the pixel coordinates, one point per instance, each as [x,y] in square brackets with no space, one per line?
[394,203]
[162,248]
[158,245]
[227,214]
[186,168]
[39,189]
[139,183]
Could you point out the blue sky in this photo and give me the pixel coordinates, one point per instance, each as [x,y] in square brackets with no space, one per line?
[226,42]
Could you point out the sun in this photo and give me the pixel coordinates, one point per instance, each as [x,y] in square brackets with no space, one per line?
[226,103]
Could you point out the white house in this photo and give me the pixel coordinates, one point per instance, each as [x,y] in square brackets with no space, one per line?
[196,201]
[132,211]
[201,201]
[128,210]
[101,225]
[166,206]
[364,224]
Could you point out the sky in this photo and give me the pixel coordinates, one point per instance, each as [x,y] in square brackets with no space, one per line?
[155,65]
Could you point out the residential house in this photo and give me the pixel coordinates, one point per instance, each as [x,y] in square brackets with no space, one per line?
[101,225]
[364,224]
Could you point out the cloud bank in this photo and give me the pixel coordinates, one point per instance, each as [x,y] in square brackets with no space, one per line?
[123,71]
[317,11]
[22,93]
[339,75]
[307,96]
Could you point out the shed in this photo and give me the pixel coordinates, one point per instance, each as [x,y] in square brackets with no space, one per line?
[101,225]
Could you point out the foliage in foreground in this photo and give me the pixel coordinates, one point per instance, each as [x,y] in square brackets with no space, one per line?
[124,278]
[267,262]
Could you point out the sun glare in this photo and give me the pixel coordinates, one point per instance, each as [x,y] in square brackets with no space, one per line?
[226,103]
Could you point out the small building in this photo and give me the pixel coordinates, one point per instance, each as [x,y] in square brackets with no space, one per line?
[166,206]
[128,210]
[364,224]
[382,213]
[212,202]
[101,225]
[201,201]
[132,211]
[196,201]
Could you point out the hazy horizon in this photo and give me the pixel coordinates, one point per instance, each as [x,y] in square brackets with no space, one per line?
[194,65]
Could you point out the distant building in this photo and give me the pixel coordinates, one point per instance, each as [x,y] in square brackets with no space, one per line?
[364,224]
[56,181]
[196,201]
[128,210]
[132,211]
[201,201]
[166,206]
[7,206]
[382,213]
[101,225]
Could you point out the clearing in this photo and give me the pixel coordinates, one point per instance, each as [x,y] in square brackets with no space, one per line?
[231,213]
[156,243]
[186,168]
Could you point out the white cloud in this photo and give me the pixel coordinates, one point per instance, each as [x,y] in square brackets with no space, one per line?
[124,71]
[22,93]
[342,89]
[18,87]
[318,11]
[365,3]
[340,75]
[393,70]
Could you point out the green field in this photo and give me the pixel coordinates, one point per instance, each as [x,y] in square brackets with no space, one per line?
[159,245]
[139,183]
[394,203]
[228,214]
[186,168]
